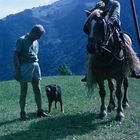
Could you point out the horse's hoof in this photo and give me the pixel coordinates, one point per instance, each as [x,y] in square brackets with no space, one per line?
[125,105]
[120,117]
[103,114]
[110,107]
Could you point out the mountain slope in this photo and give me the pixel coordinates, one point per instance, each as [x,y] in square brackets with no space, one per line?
[64,41]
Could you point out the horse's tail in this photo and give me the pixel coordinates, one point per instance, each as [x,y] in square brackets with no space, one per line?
[134,60]
[91,81]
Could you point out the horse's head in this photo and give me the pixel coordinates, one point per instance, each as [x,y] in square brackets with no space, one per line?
[101,39]
[98,26]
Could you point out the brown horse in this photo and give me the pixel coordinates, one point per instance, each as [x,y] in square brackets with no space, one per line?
[110,60]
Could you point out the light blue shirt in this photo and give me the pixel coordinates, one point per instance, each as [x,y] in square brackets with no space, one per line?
[27,50]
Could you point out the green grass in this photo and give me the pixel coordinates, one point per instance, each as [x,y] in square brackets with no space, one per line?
[80,120]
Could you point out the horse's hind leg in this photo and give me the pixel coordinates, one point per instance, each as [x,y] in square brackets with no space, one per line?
[111,105]
[120,114]
[125,98]
[103,110]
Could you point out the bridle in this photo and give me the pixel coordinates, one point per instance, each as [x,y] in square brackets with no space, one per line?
[103,44]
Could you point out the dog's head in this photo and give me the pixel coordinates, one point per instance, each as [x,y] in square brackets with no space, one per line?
[53,91]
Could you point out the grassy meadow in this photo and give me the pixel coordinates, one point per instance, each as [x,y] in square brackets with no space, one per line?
[80,120]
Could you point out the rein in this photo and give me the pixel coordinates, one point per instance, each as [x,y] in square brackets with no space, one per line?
[106,42]
[114,55]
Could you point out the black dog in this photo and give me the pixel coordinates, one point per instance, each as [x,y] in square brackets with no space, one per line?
[54,93]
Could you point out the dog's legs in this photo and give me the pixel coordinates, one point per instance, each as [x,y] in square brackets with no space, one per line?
[50,104]
[55,104]
[62,107]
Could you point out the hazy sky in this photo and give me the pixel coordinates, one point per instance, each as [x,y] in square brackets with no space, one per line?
[8,7]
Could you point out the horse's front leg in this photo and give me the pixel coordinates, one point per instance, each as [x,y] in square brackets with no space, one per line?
[120,114]
[103,109]
[111,105]
[125,98]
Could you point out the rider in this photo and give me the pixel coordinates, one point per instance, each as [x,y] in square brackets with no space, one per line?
[114,10]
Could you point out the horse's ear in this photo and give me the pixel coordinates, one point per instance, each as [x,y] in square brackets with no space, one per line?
[105,13]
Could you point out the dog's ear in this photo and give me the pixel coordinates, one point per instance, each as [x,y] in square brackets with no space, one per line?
[48,88]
